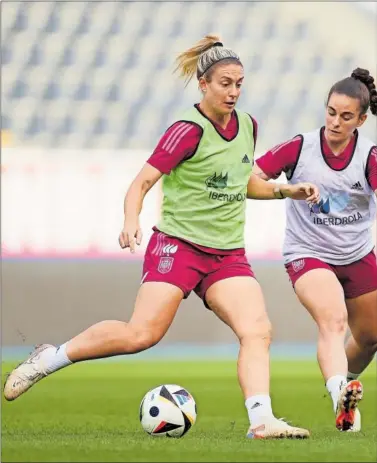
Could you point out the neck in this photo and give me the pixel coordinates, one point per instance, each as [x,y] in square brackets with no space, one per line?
[220,119]
[337,147]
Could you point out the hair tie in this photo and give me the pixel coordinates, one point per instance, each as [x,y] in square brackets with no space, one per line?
[218,44]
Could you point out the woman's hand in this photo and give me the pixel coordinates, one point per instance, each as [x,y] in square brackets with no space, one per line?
[302,191]
[130,236]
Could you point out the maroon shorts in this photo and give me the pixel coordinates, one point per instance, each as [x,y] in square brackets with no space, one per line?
[171,260]
[357,278]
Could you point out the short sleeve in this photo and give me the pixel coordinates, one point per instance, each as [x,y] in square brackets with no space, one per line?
[178,143]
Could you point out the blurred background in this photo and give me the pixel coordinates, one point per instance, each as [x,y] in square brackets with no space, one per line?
[87,90]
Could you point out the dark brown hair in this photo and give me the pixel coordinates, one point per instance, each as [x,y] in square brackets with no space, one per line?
[361,86]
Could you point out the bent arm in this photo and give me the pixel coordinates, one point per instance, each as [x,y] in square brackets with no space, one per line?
[258,188]
[259,173]
[279,159]
[135,195]
[169,152]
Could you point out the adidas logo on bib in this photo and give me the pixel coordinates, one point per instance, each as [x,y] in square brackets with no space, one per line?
[245,160]
[357,186]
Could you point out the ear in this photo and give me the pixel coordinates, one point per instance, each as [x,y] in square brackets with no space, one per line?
[362,119]
[202,84]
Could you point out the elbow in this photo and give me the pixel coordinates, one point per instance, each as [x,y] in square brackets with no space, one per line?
[251,193]
[141,185]
[138,188]
[146,185]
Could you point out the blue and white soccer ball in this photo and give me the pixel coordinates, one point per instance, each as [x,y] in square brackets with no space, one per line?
[168,410]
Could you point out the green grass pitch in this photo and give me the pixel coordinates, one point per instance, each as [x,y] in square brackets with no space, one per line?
[89,412]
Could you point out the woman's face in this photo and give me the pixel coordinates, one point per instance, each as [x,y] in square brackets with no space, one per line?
[342,117]
[223,89]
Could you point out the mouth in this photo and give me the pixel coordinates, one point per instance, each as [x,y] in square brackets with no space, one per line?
[230,104]
[334,132]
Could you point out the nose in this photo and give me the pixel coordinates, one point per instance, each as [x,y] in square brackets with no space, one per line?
[335,121]
[234,91]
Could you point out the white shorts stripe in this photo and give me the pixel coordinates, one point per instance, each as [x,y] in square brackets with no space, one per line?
[160,251]
[157,242]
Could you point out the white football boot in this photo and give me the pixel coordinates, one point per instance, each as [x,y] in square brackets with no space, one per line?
[26,374]
[273,428]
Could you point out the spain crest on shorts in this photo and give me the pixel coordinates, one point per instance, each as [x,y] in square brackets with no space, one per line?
[298,265]
[165,264]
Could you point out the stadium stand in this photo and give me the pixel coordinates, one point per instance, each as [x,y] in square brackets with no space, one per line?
[98,74]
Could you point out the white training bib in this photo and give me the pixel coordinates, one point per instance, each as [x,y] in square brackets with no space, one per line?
[338,230]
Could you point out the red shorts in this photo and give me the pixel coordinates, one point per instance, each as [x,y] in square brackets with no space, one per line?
[357,278]
[171,260]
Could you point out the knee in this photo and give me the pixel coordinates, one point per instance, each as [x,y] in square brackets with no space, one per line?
[366,340]
[334,324]
[141,338]
[257,331]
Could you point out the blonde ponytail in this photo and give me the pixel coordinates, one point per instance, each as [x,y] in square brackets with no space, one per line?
[199,58]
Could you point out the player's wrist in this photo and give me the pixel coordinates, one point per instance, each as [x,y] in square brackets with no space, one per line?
[279,192]
[131,219]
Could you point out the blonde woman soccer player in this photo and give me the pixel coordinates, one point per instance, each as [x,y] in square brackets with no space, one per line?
[329,248]
[205,161]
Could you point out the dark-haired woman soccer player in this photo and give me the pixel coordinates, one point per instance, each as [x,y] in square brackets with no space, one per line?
[205,160]
[329,248]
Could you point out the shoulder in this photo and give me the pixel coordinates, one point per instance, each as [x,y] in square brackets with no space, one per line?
[312,135]
[293,145]
[195,116]
[250,121]
[373,151]
[372,155]
[253,121]
[183,127]
[366,147]
[246,116]
[179,137]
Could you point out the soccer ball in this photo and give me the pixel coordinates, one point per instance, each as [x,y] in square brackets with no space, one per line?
[168,410]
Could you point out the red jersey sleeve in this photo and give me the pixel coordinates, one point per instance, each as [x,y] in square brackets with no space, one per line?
[371,170]
[178,143]
[281,158]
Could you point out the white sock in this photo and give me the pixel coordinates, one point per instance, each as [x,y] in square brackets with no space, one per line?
[258,407]
[55,359]
[351,376]
[334,386]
